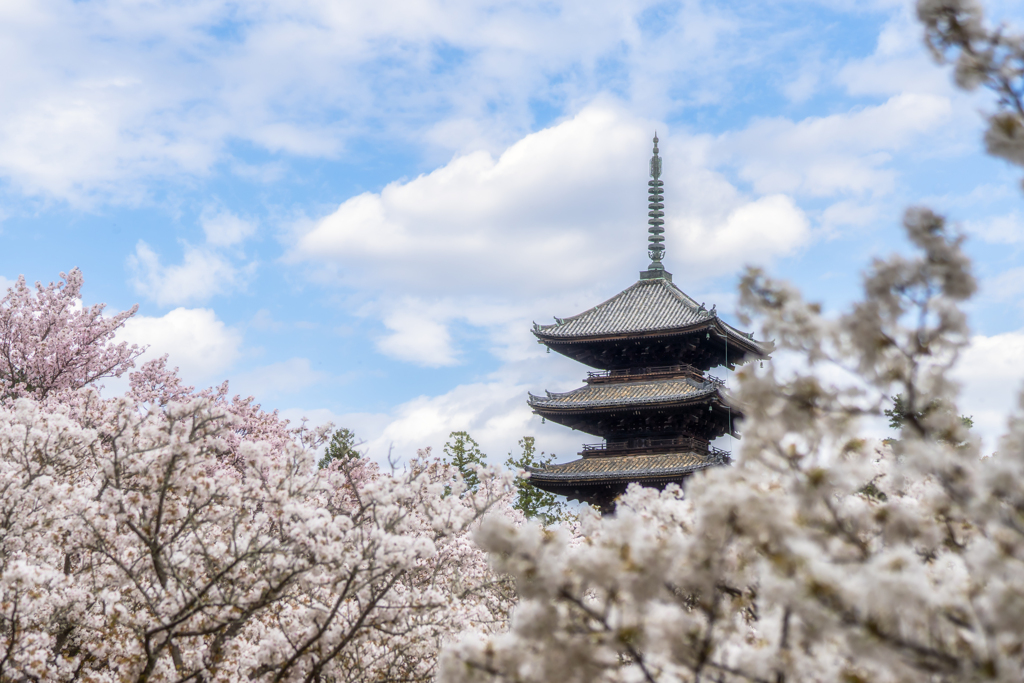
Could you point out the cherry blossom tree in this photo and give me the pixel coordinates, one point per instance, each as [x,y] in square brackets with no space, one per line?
[822,554]
[155,385]
[50,343]
[983,56]
[176,534]
[128,552]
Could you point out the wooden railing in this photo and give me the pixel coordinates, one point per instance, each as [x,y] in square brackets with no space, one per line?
[642,446]
[655,371]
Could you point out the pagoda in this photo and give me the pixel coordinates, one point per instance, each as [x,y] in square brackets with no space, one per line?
[650,397]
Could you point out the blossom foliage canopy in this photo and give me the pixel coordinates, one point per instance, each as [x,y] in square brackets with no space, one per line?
[175,534]
[50,343]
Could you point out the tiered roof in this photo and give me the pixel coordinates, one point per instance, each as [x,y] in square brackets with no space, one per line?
[649,307]
[599,480]
[646,306]
[620,468]
[626,394]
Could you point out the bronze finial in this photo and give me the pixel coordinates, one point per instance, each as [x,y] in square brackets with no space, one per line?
[655,241]
[655,160]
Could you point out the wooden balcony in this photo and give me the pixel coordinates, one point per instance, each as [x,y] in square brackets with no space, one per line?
[649,446]
[651,373]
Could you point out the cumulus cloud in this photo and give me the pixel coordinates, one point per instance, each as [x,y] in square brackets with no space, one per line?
[202,274]
[829,155]
[417,336]
[899,67]
[494,412]
[99,98]
[216,267]
[769,226]
[195,340]
[991,371]
[483,235]
[546,212]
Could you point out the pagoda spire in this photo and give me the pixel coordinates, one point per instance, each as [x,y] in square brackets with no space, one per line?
[656,214]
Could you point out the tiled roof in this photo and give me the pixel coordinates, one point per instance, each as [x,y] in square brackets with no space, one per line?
[632,467]
[646,306]
[625,393]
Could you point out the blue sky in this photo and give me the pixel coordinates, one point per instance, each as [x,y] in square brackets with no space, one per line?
[354,211]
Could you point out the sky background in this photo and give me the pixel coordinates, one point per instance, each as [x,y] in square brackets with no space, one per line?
[355,210]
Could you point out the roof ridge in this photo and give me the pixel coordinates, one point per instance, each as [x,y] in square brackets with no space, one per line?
[675,289]
[571,318]
[632,309]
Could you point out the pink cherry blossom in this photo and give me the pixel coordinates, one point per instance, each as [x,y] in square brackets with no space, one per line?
[50,343]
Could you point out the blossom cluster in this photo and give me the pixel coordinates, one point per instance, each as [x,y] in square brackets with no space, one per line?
[821,554]
[175,534]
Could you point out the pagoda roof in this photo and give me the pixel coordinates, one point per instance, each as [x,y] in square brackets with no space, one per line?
[645,306]
[631,468]
[626,394]
[648,306]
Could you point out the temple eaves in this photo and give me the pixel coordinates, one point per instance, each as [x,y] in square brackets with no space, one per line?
[651,306]
[658,469]
[626,394]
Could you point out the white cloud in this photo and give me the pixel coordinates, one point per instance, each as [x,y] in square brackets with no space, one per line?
[751,233]
[984,195]
[479,238]
[540,215]
[992,373]
[494,413]
[901,66]
[205,271]
[196,341]
[825,156]
[417,336]
[202,274]
[1005,229]
[5,284]
[103,97]
[493,410]
[277,379]
[899,63]
[225,229]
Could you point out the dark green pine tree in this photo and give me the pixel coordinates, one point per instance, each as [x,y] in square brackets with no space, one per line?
[899,413]
[462,452]
[530,500]
[341,447]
